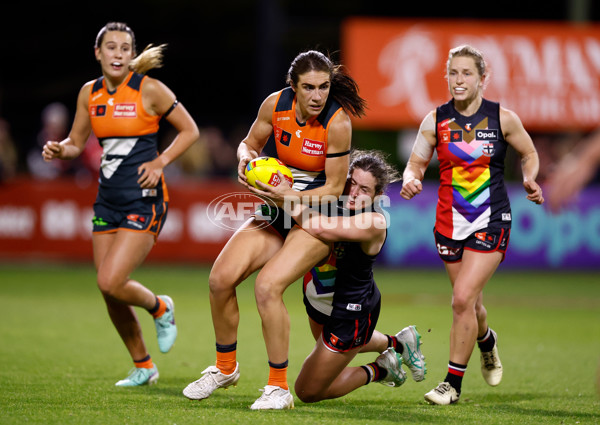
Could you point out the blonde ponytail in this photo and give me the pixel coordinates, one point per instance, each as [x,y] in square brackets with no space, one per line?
[149,59]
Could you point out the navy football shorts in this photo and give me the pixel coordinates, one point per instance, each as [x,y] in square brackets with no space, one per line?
[147,218]
[345,334]
[489,239]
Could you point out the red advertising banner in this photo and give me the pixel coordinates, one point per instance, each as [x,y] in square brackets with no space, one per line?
[52,220]
[548,73]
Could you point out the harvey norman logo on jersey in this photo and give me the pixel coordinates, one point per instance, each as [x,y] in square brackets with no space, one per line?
[125,110]
[313,147]
[548,73]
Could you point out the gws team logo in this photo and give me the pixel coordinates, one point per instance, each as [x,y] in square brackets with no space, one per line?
[231,210]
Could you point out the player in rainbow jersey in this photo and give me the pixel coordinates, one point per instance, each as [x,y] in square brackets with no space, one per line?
[471,136]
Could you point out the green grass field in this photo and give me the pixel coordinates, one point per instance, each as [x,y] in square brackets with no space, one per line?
[60,355]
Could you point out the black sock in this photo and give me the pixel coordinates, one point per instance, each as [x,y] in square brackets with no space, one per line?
[487,341]
[279,365]
[374,372]
[226,348]
[155,308]
[395,344]
[455,375]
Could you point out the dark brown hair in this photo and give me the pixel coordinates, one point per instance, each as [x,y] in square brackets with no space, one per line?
[375,162]
[343,87]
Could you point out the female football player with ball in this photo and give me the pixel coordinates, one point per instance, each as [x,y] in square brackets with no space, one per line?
[307,126]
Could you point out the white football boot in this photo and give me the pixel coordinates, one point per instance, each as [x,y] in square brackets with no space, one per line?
[443,394]
[392,362]
[491,367]
[274,398]
[211,379]
[411,355]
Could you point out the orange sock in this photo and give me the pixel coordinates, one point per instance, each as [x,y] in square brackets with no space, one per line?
[278,375]
[145,363]
[226,362]
[162,307]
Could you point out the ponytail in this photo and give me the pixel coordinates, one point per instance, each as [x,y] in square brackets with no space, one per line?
[343,87]
[344,90]
[149,59]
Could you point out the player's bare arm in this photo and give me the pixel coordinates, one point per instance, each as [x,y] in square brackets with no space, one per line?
[516,136]
[73,145]
[368,227]
[421,155]
[158,99]
[257,137]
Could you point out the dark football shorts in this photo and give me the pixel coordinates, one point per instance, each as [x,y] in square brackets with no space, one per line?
[279,222]
[344,334]
[489,239]
[148,218]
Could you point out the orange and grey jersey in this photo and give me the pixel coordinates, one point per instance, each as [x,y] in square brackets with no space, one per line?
[301,146]
[128,135]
